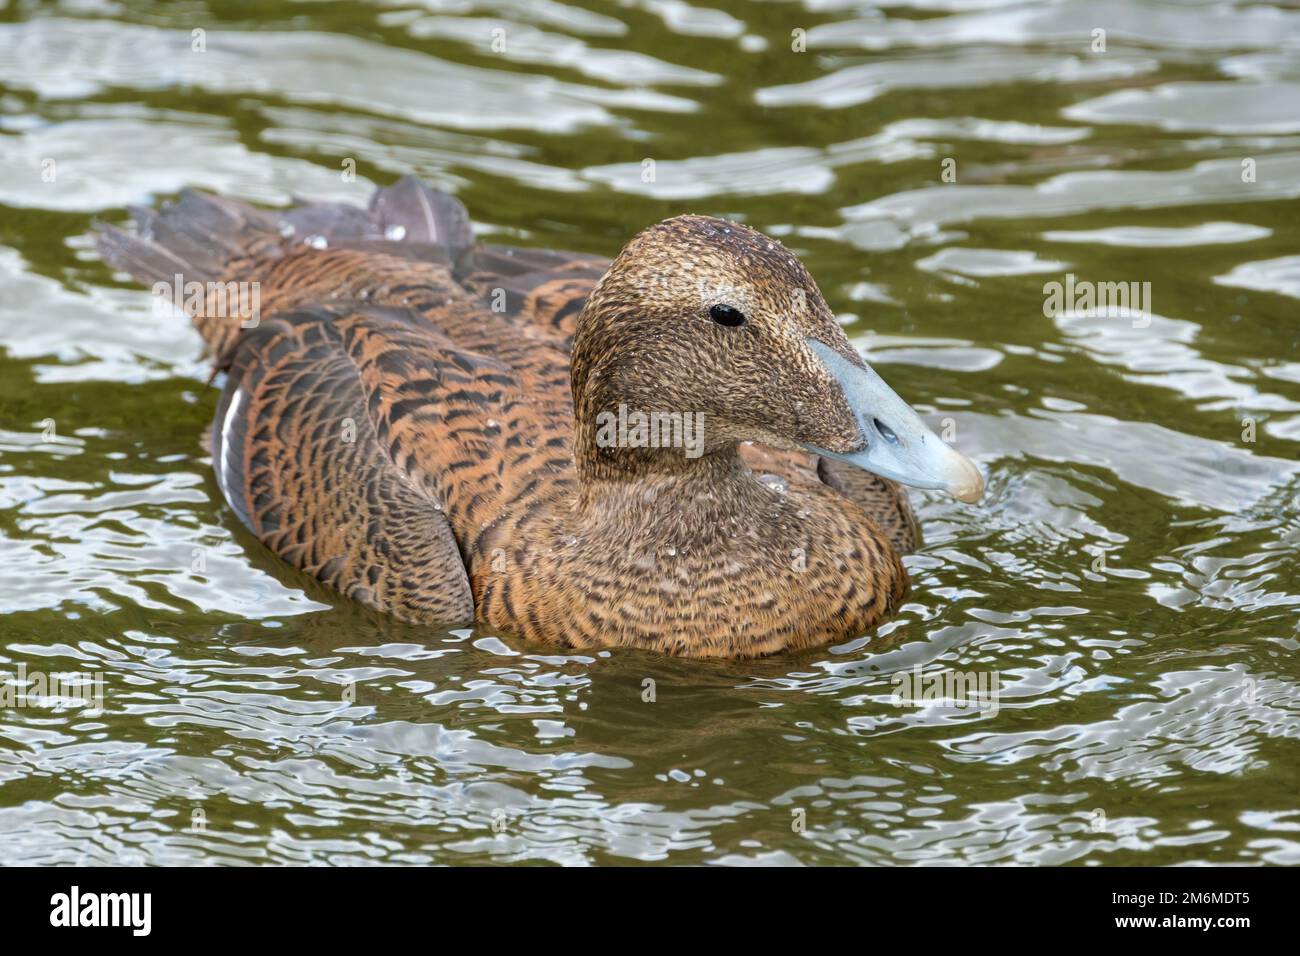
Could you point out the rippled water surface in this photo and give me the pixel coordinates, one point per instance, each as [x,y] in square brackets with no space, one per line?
[1130,579]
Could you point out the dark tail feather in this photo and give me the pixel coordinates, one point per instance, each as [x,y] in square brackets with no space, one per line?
[200,238]
[197,237]
[412,212]
[145,260]
[425,224]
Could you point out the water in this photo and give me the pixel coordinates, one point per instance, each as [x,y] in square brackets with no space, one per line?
[1130,579]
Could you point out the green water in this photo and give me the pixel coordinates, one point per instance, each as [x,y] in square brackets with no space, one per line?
[1130,579]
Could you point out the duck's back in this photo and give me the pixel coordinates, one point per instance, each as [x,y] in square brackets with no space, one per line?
[379,418]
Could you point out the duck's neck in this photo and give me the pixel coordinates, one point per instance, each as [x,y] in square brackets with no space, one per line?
[625,428]
[649,502]
[648,473]
[620,443]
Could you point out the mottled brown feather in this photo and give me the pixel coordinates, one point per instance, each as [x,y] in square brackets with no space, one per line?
[412,422]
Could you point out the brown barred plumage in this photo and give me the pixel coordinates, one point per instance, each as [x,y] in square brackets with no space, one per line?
[401,424]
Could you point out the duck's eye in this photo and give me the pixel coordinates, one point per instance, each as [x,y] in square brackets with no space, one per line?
[726,315]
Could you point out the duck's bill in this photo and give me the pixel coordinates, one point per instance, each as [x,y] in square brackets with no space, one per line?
[897,444]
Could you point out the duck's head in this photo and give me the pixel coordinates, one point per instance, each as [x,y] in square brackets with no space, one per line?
[711,317]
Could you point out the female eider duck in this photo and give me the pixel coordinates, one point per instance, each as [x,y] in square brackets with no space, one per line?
[678,450]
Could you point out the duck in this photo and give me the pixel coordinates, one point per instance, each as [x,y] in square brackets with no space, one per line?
[677,451]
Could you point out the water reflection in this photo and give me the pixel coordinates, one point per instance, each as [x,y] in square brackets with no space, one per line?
[1130,577]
